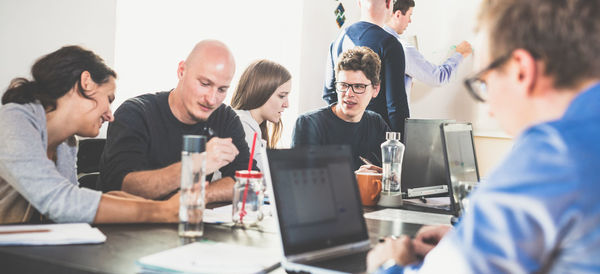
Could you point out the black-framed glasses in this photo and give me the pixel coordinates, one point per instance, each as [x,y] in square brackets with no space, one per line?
[476,86]
[358,88]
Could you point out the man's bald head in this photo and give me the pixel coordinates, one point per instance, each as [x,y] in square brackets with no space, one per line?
[211,51]
[375,11]
[204,78]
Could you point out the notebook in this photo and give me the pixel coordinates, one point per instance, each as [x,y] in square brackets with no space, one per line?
[316,202]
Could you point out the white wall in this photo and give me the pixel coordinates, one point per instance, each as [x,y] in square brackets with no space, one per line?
[319,29]
[32,28]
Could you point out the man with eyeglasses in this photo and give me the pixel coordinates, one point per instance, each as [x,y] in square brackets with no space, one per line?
[539,211]
[391,102]
[347,121]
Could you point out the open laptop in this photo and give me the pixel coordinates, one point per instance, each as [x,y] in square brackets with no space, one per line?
[318,210]
[462,172]
[438,164]
[423,167]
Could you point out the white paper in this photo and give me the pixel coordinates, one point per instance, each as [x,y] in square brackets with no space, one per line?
[58,234]
[218,215]
[435,202]
[409,216]
[212,257]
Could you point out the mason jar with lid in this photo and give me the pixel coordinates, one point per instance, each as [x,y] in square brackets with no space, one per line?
[248,196]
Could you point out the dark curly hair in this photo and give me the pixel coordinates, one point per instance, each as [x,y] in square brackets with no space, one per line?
[55,74]
[360,59]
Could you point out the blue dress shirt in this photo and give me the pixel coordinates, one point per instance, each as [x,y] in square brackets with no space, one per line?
[539,211]
[418,67]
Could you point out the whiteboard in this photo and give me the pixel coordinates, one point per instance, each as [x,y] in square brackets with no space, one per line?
[438,25]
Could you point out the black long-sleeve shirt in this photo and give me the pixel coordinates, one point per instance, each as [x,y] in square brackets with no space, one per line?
[323,127]
[391,102]
[145,135]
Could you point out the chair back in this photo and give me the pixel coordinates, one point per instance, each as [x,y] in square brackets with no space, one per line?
[88,161]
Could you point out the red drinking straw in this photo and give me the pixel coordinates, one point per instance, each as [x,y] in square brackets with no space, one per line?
[243,211]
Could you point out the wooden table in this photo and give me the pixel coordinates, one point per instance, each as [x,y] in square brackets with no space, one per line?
[126,243]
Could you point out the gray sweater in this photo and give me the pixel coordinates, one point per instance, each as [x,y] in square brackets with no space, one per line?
[29,179]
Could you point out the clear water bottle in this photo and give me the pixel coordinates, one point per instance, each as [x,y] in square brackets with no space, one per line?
[392,152]
[191,204]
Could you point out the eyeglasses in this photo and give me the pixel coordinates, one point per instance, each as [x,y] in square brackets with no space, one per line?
[356,88]
[476,86]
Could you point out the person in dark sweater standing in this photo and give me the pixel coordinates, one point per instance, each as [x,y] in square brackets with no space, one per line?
[143,148]
[391,103]
[348,122]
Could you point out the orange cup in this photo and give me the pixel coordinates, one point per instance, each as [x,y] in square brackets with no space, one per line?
[369,186]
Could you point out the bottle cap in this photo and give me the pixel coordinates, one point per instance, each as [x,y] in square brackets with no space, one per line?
[194,143]
[392,135]
[253,174]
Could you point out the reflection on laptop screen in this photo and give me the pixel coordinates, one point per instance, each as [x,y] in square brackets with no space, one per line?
[318,204]
[460,152]
[461,163]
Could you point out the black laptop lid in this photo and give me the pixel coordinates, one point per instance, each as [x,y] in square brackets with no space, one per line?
[423,164]
[317,198]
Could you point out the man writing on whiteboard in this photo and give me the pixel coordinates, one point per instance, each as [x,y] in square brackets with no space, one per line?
[416,65]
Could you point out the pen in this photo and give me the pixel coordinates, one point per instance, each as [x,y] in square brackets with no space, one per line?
[365,160]
[24,231]
[376,157]
[382,239]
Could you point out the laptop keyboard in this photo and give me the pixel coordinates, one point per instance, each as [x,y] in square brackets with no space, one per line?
[352,263]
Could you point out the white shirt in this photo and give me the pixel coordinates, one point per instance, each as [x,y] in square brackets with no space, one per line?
[250,127]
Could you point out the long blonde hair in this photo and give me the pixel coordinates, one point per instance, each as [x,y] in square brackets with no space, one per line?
[258,82]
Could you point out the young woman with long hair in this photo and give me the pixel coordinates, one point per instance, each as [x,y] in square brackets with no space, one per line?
[260,98]
[70,94]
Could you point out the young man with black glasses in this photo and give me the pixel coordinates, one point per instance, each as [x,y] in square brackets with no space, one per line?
[347,121]
[391,102]
[538,212]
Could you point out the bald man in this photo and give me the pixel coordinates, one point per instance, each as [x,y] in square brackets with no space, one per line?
[143,148]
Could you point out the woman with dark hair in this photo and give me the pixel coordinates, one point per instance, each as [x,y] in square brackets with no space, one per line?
[70,94]
[260,98]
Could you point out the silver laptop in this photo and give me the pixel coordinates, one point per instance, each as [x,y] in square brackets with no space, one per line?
[318,211]
[462,172]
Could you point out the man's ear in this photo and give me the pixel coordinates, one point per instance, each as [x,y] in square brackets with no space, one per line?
[397,14]
[526,71]
[87,83]
[376,92]
[180,69]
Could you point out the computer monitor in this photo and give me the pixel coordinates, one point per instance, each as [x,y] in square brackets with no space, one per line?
[423,167]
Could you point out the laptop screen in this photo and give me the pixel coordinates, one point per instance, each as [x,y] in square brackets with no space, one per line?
[459,150]
[317,199]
